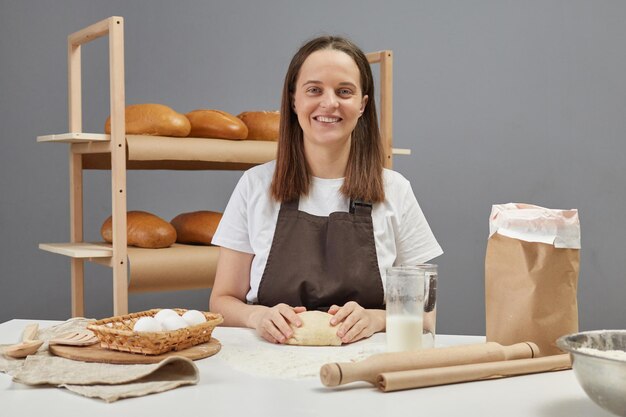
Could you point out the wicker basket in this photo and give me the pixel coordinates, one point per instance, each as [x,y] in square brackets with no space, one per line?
[117,333]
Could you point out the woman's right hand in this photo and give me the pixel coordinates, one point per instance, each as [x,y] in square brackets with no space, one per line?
[273,323]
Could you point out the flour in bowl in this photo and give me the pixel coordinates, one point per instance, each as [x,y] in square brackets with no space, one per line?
[609,354]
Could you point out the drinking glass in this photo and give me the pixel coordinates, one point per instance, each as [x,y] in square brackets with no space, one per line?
[430,304]
[405,308]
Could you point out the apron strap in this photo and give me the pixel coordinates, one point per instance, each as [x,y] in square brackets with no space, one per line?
[360,208]
[290,205]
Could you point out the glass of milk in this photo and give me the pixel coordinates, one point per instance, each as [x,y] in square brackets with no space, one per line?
[430,304]
[405,308]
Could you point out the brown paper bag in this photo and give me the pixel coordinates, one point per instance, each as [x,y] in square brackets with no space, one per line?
[531,275]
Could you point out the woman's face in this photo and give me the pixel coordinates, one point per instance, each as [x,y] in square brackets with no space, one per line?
[328,98]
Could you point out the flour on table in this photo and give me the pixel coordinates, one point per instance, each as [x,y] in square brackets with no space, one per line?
[292,362]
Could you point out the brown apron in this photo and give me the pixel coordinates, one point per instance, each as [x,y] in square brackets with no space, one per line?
[317,261]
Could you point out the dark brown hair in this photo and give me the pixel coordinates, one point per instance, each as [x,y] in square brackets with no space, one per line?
[364,172]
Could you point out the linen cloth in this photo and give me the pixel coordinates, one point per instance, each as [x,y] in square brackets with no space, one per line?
[109,382]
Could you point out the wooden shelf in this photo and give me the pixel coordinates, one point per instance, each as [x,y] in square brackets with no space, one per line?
[177,267]
[104,250]
[79,250]
[400,151]
[78,137]
[146,152]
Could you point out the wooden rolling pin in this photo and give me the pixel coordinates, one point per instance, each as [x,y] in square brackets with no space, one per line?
[394,381]
[335,374]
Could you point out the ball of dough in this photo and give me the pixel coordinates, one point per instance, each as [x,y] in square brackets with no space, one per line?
[315,330]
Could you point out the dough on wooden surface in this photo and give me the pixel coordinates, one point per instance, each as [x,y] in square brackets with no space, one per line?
[315,330]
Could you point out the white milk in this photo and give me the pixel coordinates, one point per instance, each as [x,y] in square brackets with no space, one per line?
[404,333]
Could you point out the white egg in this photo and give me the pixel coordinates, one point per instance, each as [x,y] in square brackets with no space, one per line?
[193,317]
[173,323]
[165,313]
[147,324]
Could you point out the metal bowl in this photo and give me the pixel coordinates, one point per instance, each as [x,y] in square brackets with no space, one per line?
[603,378]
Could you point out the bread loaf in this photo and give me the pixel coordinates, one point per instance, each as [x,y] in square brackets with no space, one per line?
[197,227]
[144,230]
[153,119]
[262,125]
[216,124]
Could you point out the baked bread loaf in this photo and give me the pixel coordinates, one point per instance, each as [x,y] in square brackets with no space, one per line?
[262,125]
[216,124]
[197,227]
[153,119]
[144,230]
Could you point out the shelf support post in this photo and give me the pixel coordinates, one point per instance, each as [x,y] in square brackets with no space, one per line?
[385,60]
[118,165]
[77,267]
[386,105]
[114,27]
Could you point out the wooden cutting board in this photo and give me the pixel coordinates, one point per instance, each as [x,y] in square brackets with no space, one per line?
[95,353]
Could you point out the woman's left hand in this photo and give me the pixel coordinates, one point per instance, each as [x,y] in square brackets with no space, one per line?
[356,322]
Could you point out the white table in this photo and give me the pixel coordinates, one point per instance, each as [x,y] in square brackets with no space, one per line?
[224,391]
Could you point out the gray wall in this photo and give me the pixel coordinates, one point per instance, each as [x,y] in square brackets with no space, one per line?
[499,101]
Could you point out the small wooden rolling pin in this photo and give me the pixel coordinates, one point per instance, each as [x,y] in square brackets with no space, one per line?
[395,381]
[335,374]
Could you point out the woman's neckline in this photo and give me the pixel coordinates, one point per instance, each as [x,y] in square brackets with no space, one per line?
[327,180]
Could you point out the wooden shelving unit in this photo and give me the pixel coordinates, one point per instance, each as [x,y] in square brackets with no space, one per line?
[119,152]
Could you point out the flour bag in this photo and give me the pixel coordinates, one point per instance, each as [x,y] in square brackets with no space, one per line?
[531,275]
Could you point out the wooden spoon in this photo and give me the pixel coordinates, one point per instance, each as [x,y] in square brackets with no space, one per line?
[28,346]
[23,349]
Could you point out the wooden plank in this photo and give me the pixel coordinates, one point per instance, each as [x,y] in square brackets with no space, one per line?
[74,137]
[386,105]
[74,87]
[77,267]
[374,57]
[79,249]
[400,151]
[118,165]
[91,32]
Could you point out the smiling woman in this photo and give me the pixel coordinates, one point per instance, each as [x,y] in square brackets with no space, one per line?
[328,102]
[317,228]
[337,74]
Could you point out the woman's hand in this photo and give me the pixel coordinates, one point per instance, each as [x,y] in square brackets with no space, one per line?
[356,322]
[273,323]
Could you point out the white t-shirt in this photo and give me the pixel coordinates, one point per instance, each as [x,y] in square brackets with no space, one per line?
[401,233]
